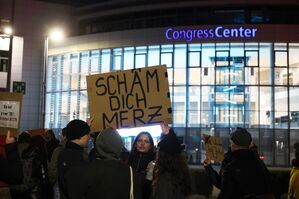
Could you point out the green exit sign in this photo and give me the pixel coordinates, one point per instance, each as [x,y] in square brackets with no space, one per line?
[19,87]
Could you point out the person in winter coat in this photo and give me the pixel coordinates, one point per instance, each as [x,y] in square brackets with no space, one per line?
[52,165]
[245,175]
[10,166]
[141,155]
[213,175]
[171,174]
[73,154]
[293,192]
[107,177]
[30,187]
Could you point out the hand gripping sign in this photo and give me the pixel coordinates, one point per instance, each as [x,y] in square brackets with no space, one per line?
[129,98]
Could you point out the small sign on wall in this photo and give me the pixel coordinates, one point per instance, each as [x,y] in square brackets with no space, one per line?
[10,112]
[19,87]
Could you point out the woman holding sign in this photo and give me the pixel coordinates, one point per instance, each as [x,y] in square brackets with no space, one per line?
[171,174]
[141,155]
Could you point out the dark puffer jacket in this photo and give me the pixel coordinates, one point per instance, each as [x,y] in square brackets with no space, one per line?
[244,175]
[32,172]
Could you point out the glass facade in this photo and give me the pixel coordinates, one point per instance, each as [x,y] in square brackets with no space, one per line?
[214,88]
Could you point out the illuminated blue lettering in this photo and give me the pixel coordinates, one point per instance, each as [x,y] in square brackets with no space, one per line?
[216,31]
[189,35]
[211,31]
[169,29]
[175,35]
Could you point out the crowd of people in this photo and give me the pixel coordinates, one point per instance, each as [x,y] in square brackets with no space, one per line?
[40,167]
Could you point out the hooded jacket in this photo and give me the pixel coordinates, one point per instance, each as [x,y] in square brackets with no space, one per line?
[107,177]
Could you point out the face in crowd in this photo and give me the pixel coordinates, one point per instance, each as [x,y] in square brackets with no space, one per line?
[143,143]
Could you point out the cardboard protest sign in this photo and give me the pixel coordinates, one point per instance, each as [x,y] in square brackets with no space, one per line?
[10,112]
[214,148]
[129,98]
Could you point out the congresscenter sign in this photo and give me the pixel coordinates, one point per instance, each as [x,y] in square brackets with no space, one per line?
[218,32]
[129,98]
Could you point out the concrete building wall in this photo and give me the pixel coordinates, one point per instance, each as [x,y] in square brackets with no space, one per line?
[32,20]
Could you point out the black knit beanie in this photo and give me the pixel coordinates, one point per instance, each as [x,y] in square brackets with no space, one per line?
[76,129]
[241,137]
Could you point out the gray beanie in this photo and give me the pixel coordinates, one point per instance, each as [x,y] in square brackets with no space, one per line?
[108,144]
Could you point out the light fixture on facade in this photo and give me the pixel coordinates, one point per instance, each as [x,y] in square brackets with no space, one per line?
[56,35]
[7,30]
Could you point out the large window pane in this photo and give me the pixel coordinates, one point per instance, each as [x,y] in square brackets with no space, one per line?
[180,52]
[281,107]
[140,57]
[179,105]
[83,109]
[180,76]
[194,106]
[74,71]
[294,106]
[251,58]
[95,62]
[281,147]
[194,76]
[84,66]
[252,76]
[266,65]
[266,111]
[266,146]
[194,146]
[105,57]
[128,58]
[153,55]
[117,59]
[280,76]
[194,59]
[294,138]
[281,58]
[208,64]
[65,72]
[293,55]
[65,112]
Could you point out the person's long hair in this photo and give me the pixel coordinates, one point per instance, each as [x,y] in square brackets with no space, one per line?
[134,147]
[176,166]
